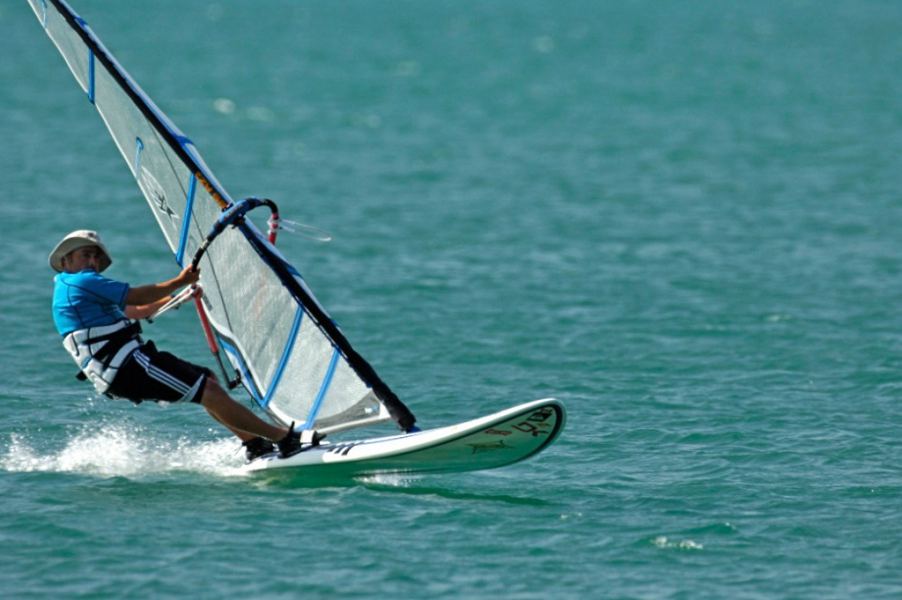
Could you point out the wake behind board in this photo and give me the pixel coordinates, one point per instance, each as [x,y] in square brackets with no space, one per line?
[488,442]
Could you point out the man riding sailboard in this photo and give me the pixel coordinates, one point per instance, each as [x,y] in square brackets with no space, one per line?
[97,318]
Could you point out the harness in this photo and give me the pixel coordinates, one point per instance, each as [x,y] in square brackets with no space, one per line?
[100,351]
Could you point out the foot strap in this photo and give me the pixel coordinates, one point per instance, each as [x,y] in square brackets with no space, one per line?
[311,437]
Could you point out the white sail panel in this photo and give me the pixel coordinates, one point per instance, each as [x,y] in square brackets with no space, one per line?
[317,370]
[66,40]
[252,305]
[163,179]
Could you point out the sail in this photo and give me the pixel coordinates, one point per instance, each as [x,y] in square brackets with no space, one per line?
[286,350]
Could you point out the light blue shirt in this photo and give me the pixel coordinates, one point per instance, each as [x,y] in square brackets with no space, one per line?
[87,299]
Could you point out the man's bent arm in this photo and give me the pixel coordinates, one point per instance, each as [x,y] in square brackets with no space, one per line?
[144,295]
[142,311]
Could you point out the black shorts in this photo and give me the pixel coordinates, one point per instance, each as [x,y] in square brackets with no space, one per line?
[148,374]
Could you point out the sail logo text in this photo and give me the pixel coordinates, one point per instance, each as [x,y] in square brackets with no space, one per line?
[155,194]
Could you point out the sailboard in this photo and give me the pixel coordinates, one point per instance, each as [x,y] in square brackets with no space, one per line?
[488,442]
[279,342]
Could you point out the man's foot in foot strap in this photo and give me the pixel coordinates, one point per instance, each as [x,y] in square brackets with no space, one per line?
[257,447]
[295,441]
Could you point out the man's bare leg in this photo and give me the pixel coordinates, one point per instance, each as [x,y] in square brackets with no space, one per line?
[234,416]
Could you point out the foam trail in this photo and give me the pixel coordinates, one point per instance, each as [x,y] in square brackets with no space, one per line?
[390,479]
[116,451]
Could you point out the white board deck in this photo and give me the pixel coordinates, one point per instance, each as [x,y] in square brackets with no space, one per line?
[488,442]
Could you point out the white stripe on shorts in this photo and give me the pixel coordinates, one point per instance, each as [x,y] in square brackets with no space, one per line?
[160,375]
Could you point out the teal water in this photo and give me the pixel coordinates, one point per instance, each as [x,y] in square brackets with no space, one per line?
[679,218]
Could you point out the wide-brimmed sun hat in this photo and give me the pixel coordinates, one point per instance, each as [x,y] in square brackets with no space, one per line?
[74,241]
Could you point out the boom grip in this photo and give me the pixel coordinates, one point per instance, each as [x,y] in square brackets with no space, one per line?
[232,215]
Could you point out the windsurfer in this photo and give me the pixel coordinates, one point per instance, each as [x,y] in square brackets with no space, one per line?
[96,317]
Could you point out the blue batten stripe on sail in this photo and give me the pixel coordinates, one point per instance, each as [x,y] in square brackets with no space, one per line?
[44,14]
[91,75]
[139,147]
[286,354]
[186,220]
[323,388]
